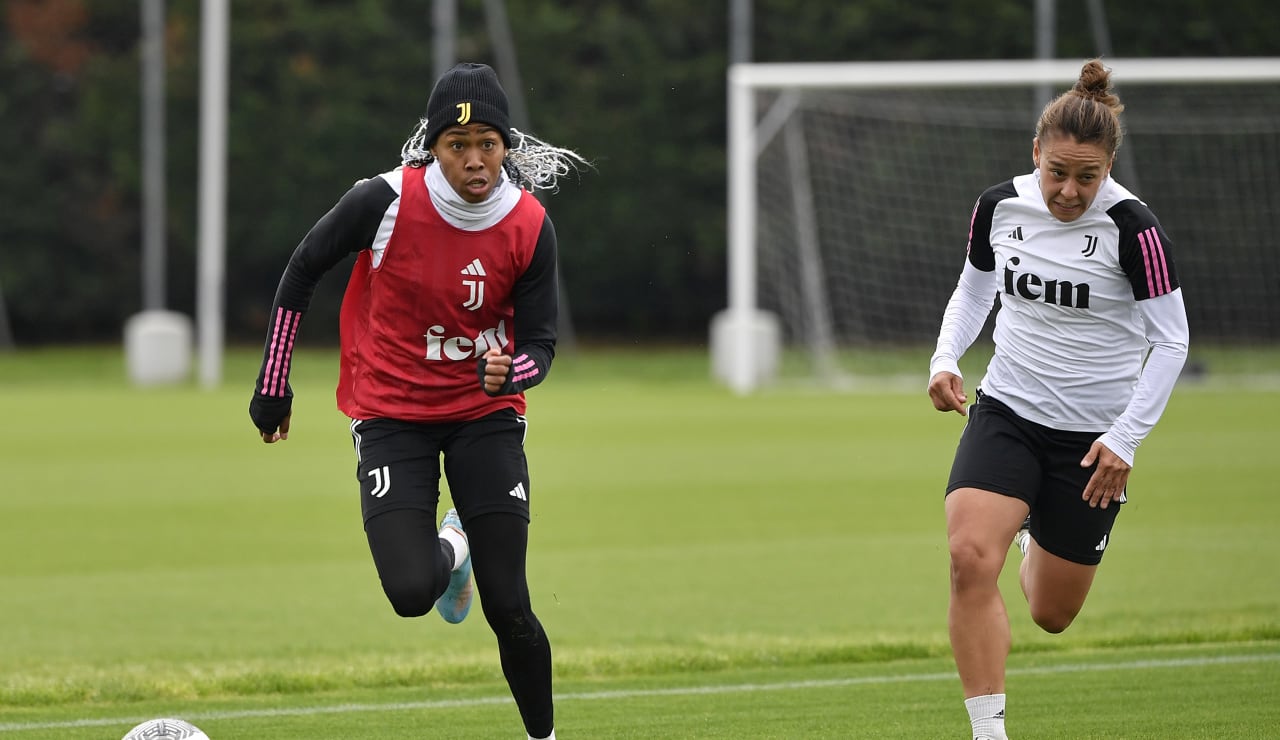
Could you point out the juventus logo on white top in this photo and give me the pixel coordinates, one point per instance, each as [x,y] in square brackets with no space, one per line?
[476,287]
[381,481]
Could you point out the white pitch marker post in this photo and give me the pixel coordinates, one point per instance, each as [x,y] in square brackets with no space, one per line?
[745,341]
[211,212]
[157,342]
[157,346]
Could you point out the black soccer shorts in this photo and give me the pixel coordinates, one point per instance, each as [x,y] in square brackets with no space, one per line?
[398,465]
[1004,453]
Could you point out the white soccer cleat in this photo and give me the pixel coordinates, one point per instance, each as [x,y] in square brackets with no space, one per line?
[1023,538]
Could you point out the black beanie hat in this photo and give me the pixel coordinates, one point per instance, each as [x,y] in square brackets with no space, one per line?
[467,93]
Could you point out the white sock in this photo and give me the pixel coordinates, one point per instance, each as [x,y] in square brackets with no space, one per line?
[986,714]
[458,543]
[552,736]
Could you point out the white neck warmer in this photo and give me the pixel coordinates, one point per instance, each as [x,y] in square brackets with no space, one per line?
[470,216]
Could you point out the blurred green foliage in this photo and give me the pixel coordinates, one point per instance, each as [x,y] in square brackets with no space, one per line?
[323,93]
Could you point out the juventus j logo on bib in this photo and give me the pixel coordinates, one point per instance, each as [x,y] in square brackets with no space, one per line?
[476,287]
[464,113]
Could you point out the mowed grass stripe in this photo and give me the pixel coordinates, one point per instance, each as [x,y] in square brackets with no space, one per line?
[703,689]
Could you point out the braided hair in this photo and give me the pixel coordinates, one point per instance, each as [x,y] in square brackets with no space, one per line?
[531,163]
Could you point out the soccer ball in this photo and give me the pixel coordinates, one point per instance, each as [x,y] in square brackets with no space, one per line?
[165,729]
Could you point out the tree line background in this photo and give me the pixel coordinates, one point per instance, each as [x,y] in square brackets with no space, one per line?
[324,92]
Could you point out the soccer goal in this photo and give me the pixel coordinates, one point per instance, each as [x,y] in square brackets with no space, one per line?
[851,185]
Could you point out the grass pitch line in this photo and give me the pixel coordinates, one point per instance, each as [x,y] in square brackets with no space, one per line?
[642,693]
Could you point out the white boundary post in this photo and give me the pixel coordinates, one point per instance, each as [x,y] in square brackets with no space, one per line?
[212,208]
[742,373]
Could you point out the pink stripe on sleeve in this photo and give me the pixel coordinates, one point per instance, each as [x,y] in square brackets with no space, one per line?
[523,368]
[286,363]
[525,376]
[269,370]
[283,333]
[1146,261]
[1157,268]
[1166,285]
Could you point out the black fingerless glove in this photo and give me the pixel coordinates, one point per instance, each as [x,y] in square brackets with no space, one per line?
[507,387]
[267,412]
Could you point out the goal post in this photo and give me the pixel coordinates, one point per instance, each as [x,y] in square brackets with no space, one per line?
[850,186]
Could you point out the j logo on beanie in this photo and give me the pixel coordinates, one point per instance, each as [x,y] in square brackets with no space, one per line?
[467,93]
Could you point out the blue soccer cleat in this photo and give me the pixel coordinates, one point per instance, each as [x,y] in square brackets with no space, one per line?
[455,603]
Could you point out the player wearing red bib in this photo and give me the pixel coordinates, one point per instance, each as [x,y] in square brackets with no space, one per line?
[448,318]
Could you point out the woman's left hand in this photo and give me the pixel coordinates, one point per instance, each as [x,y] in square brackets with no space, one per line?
[497,367]
[1109,480]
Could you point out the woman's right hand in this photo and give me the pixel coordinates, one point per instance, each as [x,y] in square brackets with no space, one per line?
[946,390]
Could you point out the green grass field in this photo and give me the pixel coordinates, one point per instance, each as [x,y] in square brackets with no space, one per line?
[706,566]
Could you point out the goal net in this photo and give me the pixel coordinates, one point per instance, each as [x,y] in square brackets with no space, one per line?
[851,187]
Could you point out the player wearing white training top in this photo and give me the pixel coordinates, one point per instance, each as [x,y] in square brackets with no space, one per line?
[1090,336]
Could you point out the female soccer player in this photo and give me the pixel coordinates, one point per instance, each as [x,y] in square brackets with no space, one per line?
[449,316]
[1090,336]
